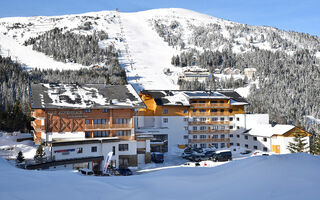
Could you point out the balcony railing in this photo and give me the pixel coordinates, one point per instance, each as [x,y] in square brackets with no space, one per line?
[209,140]
[209,131]
[210,123]
[211,113]
[107,126]
[210,105]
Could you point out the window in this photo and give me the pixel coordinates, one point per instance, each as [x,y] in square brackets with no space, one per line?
[230,127]
[222,136]
[221,101]
[203,136]
[165,120]
[123,147]
[185,111]
[94,149]
[202,128]
[123,121]
[221,110]
[221,118]
[214,119]
[105,110]
[231,135]
[265,139]
[185,119]
[101,134]
[165,111]
[213,101]
[230,110]
[194,119]
[194,128]
[222,145]
[238,119]
[79,150]
[123,133]
[114,150]
[202,101]
[238,136]
[213,110]
[195,146]
[185,137]
[203,145]
[202,119]
[265,149]
[202,110]
[246,137]
[230,119]
[222,127]
[215,145]
[124,162]
[238,127]
[88,110]
[238,144]
[215,127]
[231,143]
[255,138]
[214,136]
[194,137]
[255,147]
[87,134]
[185,128]
[87,121]
[194,110]
[246,146]
[194,102]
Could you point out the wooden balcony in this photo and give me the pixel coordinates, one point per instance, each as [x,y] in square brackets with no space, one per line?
[209,131]
[107,126]
[210,123]
[226,113]
[210,105]
[209,140]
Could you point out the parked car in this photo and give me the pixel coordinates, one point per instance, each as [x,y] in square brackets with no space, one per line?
[157,157]
[198,158]
[125,172]
[86,171]
[224,155]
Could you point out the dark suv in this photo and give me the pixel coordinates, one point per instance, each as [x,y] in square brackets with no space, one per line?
[222,156]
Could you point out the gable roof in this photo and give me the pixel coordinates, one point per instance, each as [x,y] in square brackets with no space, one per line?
[83,96]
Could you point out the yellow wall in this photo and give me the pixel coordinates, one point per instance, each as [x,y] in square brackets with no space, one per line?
[178,110]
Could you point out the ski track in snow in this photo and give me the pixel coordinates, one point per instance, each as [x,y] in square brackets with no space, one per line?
[149,52]
[29,58]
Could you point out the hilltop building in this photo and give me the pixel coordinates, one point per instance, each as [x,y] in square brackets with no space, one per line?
[81,124]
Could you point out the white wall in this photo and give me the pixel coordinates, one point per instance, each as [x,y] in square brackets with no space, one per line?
[284,143]
[63,135]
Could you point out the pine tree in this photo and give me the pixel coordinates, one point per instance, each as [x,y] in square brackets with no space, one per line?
[299,144]
[315,147]
[20,157]
[40,153]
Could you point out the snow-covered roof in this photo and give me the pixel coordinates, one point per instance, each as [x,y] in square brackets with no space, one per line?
[182,97]
[84,96]
[267,130]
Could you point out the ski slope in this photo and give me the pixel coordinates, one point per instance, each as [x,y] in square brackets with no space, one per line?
[277,177]
[148,54]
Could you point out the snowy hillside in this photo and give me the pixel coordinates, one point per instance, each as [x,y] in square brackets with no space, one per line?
[147,40]
[280,177]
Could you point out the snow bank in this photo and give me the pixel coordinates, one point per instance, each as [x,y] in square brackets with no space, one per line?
[261,177]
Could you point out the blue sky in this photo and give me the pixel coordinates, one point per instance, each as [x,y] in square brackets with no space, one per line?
[297,15]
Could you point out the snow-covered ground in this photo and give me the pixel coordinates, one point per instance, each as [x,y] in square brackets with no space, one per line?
[279,177]
[9,147]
